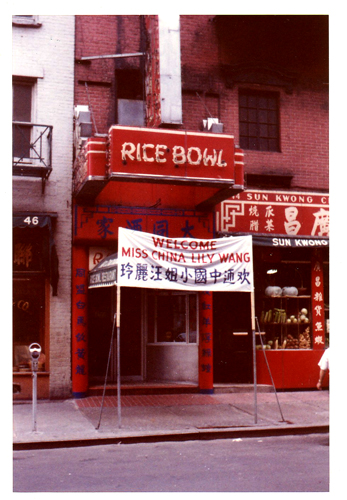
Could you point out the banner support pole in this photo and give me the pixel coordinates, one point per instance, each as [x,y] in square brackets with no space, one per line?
[118,356]
[254,357]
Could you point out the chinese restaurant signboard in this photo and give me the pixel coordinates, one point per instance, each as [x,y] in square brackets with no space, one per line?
[275,212]
[164,156]
[149,261]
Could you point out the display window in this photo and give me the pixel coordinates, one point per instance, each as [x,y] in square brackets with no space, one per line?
[172,317]
[283,299]
[28,321]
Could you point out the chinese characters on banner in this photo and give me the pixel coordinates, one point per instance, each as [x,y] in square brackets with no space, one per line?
[206,342]
[317,302]
[79,321]
[149,261]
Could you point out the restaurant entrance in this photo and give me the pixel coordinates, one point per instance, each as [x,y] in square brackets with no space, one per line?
[232,338]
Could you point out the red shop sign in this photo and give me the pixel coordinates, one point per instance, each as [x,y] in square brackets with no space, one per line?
[275,212]
[155,155]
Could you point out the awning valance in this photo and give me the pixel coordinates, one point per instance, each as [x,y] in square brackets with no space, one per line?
[285,241]
[105,273]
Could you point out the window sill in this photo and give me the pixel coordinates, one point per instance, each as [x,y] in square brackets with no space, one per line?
[25,23]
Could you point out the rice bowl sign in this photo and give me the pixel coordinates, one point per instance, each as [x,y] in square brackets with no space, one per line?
[160,155]
[150,261]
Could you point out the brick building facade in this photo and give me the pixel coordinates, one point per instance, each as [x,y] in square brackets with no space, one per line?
[249,77]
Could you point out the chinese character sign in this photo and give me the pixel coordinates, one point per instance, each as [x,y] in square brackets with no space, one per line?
[206,342]
[275,212]
[317,302]
[79,321]
[152,261]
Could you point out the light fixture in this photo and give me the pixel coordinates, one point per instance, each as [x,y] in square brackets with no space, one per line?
[271,271]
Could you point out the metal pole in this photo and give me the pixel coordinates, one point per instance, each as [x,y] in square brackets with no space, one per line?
[108,364]
[34,398]
[112,56]
[118,357]
[268,367]
[254,358]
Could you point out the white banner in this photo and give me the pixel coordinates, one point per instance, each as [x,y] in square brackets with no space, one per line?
[150,261]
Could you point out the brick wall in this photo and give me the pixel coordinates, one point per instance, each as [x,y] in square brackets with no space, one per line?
[304,116]
[48,52]
[98,36]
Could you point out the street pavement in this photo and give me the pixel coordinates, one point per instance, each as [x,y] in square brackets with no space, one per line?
[163,417]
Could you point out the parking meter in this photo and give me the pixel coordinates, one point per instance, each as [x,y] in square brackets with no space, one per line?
[35,351]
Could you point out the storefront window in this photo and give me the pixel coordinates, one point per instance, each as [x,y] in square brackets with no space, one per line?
[170,316]
[28,320]
[283,300]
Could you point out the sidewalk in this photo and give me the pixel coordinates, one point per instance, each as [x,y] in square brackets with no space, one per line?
[168,417]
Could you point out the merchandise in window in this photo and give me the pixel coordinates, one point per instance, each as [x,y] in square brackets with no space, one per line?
[283,305]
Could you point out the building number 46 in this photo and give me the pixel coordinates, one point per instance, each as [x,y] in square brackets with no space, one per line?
[32,220]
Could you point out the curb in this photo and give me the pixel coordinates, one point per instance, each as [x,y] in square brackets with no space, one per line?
[202,434]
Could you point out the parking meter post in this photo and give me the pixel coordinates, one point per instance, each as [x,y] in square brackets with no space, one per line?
[35,351]
[34,400]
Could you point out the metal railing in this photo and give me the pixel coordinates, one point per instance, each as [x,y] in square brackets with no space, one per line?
[32,149]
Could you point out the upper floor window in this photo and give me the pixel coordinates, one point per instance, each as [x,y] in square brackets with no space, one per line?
[29,21]
[130,105]
[259,120]
[22,113]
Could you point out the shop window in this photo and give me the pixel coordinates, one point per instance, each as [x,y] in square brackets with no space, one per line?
[22,117]
[28,320]
[259,120]
[172,317]
[283,301]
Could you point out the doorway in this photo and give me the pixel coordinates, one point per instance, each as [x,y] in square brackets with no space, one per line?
[232,338]
[102,304]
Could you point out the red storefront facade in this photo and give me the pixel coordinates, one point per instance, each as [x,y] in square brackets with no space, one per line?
[163,86]
[187,173]
[290,233]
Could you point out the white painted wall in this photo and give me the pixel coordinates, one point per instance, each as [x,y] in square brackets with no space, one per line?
[47,52]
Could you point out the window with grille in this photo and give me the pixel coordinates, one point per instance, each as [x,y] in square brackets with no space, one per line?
[259,120]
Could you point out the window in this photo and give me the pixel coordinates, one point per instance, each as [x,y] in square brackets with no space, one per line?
[28,318]
[259,120]
[22,106]
[171,315]
[28,21]
[130,105]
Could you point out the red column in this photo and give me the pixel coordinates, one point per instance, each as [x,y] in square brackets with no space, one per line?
[205,343]
[317,294]
[79,322]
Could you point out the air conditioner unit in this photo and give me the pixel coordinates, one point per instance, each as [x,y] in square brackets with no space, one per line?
[83,126]
[212,125]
